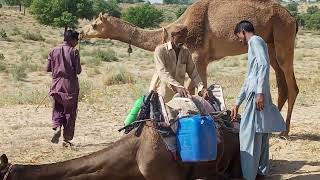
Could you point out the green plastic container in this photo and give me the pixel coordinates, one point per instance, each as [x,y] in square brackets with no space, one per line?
[132,116]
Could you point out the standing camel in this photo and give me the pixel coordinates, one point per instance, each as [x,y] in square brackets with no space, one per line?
[133,158]
[211,37]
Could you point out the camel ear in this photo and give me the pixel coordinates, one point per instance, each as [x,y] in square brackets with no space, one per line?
[3,159]
[105,15]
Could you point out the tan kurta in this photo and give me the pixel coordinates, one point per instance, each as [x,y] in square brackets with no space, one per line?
[171,71]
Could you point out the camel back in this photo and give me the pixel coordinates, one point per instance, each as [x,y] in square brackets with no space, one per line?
[196,24]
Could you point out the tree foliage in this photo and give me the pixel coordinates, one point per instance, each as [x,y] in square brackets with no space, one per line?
[144,16]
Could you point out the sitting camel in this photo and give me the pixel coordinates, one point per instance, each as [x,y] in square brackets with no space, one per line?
[132,158]
[211,37]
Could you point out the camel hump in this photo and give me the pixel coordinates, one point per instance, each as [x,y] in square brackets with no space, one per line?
[196,24]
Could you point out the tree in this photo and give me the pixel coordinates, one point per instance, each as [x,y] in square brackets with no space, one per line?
[293,6]
[26,4]
[61,13]
[111,7]
[313,22]
[14,3]
[171,1]
[144,16]
[313,9]
[130,1]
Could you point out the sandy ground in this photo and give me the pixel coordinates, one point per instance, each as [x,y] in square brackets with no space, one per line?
[25,138]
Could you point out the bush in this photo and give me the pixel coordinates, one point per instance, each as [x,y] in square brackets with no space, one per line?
[310,21]
[3,34]
[33,36]
[2,57]
[313,9]
[18,72]
[144,16]
[23,95]
[171,1]
[2,63]
[29,65]
[180,11]
[49,12]
[313,22]
[111,7]
[15,31]
[91,61]
[108,56]
[293,6]
[118,75]
[0,5]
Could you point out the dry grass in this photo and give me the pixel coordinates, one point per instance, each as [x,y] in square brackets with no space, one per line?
[118,75]
[108,90]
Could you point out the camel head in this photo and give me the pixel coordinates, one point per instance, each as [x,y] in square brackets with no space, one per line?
[3,166]
[99,28]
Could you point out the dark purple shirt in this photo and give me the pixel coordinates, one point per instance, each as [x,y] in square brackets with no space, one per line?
[64,63]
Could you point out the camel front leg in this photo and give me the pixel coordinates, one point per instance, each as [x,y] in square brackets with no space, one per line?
[201,64]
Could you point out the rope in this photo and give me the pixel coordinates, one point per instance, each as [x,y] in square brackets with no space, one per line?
[8,172]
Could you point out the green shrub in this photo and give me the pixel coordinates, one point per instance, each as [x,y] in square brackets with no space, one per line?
[3,66]
[310,21]
[293,6]
[15,31]
[108,55]
[313,9]
[111,7]
[23,95]
[3,34]
[118,75]
[144,16]
[29,65]
[18,72]
[33,36]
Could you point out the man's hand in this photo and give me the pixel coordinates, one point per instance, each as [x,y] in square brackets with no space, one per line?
[234,113]
[203,93]
[182,91]
[260,102]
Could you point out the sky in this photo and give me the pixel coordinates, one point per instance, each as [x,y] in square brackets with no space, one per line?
[155,1]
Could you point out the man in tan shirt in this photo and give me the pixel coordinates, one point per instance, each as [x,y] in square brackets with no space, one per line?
[173,61]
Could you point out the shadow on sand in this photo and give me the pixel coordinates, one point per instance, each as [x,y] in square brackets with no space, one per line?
[282,167]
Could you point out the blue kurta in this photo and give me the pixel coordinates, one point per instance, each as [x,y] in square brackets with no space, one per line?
[255,125]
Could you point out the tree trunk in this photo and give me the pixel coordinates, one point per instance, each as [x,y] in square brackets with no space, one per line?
[24,10]
[65,29]
[20,7]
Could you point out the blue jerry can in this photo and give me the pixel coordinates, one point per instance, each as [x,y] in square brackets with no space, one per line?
[197,139]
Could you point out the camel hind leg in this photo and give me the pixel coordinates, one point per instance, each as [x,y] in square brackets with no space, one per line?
[284,48]
[280,77]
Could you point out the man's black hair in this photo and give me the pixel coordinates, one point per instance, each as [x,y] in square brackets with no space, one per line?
[71,35]
[244,25]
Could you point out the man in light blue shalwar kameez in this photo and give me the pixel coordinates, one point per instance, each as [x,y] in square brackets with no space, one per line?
[260,116]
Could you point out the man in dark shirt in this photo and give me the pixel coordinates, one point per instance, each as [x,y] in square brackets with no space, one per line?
[64,63]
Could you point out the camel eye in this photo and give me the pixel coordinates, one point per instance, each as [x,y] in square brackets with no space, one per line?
[94,26]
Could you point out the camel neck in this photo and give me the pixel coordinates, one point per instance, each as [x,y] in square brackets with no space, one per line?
[142,38]
[117,158]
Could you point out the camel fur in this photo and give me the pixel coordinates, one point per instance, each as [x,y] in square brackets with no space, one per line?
[133,158]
